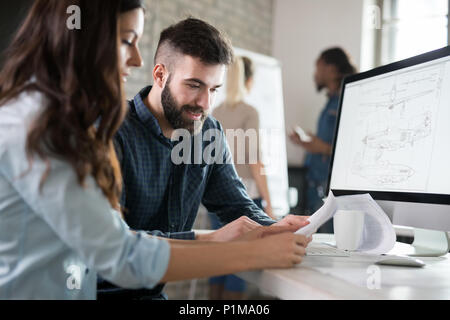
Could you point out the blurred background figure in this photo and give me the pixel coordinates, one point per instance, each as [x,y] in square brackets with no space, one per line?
[332,66]
[235,114]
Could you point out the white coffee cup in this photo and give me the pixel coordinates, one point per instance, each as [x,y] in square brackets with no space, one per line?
[348,229]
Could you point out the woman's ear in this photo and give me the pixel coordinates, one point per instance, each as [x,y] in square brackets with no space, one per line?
[160,75]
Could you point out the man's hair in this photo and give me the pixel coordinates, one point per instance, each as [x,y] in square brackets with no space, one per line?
[195,38]
[128,5]
[340,59]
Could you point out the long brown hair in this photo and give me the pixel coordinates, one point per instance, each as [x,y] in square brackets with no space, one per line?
[77,71]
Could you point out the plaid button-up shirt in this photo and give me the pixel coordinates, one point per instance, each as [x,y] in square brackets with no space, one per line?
[163,197]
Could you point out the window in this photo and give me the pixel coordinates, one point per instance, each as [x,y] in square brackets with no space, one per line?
[412,27]
[398,29]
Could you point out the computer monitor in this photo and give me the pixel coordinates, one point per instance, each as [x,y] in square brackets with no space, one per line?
[393,140]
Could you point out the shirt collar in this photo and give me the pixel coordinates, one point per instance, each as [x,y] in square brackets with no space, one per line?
[333,96]
[143,113]
[333,101]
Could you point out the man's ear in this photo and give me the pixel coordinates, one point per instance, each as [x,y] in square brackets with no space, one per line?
[160,75]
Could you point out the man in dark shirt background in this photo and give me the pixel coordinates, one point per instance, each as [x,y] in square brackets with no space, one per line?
[331,67]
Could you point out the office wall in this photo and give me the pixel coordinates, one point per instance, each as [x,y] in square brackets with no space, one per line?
[302,29]
[248,23]
[12,14]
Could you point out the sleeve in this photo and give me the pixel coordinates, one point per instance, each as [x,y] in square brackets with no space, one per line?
[225,195]
[119,152]
[83,219]
[187,235]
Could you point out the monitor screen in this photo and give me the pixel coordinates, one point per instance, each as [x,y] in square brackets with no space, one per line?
[393,132]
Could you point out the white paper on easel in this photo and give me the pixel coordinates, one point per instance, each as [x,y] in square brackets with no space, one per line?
[378,234]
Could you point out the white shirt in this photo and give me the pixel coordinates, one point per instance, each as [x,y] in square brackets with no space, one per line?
[53,242]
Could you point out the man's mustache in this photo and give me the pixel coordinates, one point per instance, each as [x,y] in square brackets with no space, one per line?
[193,109]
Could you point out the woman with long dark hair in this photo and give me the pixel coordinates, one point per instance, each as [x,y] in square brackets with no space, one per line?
[61,102]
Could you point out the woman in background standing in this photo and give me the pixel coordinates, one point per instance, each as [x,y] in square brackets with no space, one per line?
[235,114]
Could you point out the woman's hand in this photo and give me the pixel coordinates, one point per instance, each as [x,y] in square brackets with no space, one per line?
[283,250]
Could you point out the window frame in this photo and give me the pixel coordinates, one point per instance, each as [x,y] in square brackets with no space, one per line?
[378,36]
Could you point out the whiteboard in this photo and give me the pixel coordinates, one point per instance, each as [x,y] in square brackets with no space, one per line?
[267,97]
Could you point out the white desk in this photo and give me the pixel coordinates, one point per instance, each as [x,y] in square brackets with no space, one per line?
[321,277]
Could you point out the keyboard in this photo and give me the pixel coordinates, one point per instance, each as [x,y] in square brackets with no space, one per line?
[324,249]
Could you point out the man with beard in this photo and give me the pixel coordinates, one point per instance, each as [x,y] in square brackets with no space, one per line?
[161,196]
[331,67]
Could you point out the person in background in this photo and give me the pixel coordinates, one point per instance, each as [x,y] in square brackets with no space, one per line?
[234,114]
[61,103]
[331,67]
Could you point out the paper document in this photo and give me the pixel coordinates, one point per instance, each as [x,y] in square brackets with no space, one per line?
[321,216]
[378,235]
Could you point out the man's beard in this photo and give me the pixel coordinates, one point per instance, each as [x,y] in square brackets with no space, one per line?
[174,113]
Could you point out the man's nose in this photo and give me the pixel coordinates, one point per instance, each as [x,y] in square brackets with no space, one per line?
[204,100]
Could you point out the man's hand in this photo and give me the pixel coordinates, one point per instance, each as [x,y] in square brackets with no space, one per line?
[316,145]
[231,231]
[264,231]
[295,138]
[294,221]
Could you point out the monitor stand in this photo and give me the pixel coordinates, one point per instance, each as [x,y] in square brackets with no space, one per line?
[429,243]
